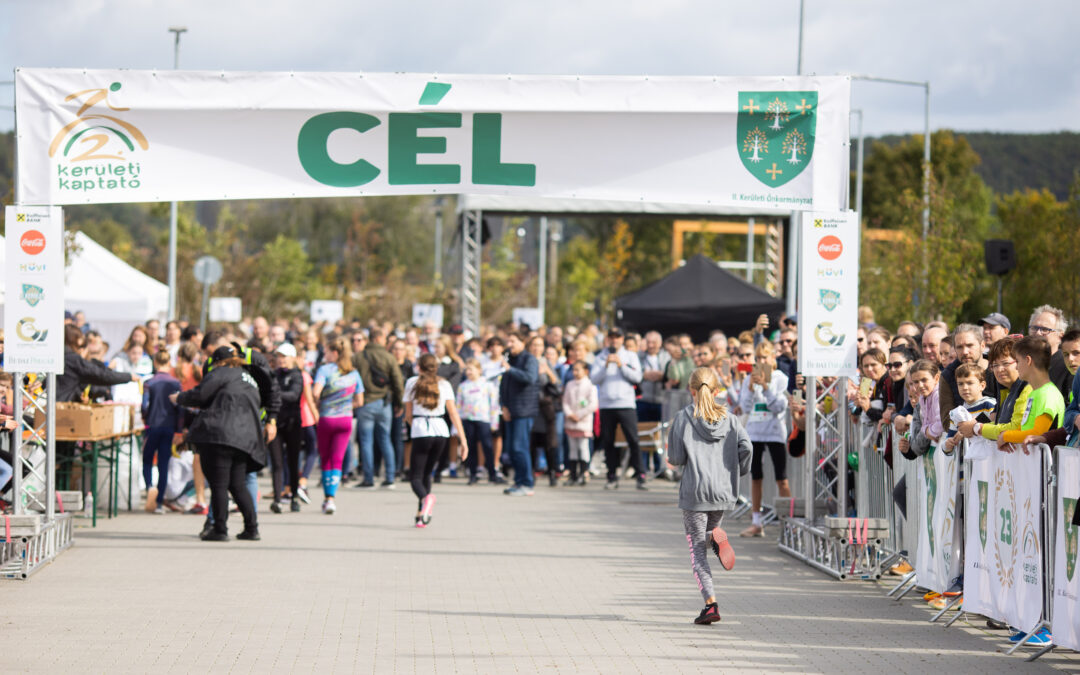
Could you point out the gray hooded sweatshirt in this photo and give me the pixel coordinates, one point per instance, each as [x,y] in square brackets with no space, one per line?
[715,455]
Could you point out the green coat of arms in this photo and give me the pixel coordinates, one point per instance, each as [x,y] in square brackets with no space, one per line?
[983,488]
[931,495]
[1070,537]
[776,132]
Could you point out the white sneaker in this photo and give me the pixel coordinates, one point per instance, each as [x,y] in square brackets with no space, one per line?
[160,510]
[329,507]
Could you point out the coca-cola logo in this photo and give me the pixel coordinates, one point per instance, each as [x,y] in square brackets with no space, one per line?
[32,242]
[830,247]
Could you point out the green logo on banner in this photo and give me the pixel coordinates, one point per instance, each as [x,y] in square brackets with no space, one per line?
[931,495]
[983,489]
[830,300]
[1070,537]
[776,131]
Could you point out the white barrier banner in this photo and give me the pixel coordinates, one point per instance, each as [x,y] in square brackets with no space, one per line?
[34,289]
[829,294]
[937,556]
[99,136]
[1003,573]
[1066,616]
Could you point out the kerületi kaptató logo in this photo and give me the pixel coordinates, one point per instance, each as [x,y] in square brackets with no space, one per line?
[32,242]
[830,247]
[95,150]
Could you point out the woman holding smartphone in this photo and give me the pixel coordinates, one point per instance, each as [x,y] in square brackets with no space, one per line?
[763,398]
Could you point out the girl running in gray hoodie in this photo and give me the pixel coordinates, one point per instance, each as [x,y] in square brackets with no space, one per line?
[716,450]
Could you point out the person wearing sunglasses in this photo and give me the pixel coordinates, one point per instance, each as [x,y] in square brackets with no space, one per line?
[1049,323]
[785,358]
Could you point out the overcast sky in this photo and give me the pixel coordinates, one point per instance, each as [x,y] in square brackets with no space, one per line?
[993,65]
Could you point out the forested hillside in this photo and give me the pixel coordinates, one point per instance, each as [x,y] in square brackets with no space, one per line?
[1013,162]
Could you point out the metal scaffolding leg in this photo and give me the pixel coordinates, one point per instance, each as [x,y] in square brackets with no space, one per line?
[470,270]
[37,533]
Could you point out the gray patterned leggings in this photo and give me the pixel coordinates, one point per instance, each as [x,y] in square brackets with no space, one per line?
[698,526]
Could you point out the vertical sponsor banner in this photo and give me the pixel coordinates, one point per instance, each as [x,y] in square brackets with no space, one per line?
[34,289]
[1066,622]
[937,557]
[1003,573]
[829,294]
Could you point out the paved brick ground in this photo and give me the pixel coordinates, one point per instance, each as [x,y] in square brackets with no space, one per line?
[571,580]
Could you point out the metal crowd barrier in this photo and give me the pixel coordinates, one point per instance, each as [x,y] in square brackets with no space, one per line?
[833,545]
[908,533]
[820,529]
[28,539]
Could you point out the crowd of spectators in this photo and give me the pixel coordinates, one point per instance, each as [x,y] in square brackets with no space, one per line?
[568,404]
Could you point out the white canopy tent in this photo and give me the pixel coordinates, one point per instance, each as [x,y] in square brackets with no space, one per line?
[114,295]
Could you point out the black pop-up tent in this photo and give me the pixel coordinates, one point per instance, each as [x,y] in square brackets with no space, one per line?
[697,298]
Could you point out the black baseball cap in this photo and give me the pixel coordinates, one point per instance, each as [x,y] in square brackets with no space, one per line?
[615,332]
[996,319]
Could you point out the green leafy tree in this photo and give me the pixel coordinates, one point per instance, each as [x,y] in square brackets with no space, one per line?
[579,273]
[1044,232]
[893,196]
[892,277]
[506,281]
[282,279]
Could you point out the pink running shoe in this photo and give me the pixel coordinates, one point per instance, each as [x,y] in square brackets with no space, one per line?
[425,512]
[722,548]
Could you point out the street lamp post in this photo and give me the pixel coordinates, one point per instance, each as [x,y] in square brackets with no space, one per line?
[926,163]
[438,204]
[177,31]
[859,163]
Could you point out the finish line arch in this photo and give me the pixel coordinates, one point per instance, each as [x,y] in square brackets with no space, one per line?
[113,136]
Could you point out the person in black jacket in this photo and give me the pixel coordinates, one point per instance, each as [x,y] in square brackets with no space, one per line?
[289,433]
[257,366]
[78,372]
[229,433]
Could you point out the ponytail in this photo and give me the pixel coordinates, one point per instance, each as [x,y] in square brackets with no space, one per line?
[427,386]
[705,382]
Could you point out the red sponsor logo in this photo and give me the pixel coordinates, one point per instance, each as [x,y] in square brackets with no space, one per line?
[830,247]
[32,242]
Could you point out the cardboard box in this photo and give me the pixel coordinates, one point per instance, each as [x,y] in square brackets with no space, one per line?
[122,417]
[78,420]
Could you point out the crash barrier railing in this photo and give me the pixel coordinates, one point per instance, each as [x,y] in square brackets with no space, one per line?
[818,528]
[1011,537]
[1016,550]
[40,528]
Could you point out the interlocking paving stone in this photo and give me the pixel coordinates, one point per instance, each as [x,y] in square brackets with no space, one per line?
[571,580]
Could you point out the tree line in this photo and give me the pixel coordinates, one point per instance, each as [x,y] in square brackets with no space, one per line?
[377,253]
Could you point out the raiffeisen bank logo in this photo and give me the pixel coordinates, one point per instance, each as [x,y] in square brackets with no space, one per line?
[94,151]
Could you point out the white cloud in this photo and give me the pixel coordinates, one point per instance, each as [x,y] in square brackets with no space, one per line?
[992,65]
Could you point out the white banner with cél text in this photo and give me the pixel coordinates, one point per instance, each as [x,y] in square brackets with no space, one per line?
[101,136]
